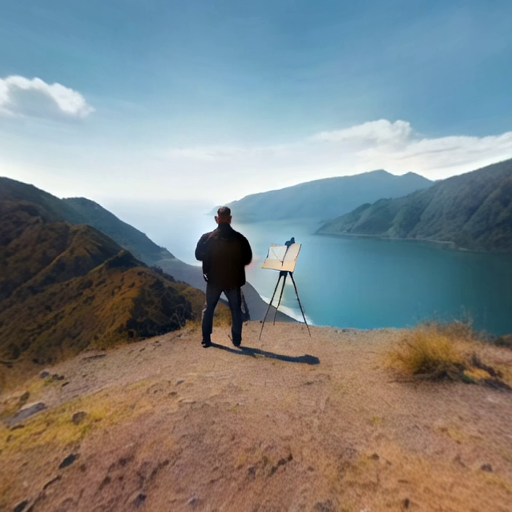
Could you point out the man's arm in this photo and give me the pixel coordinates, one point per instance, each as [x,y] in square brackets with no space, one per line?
[201,247]
[246,251]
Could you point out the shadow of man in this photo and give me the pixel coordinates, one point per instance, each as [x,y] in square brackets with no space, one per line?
[255,352]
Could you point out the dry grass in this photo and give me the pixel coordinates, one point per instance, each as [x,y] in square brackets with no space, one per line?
[427,350]
[56,428]
[444,351]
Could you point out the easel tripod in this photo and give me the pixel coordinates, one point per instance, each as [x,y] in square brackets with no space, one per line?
[284,274]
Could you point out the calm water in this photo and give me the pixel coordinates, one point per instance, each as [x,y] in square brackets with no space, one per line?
[368,283]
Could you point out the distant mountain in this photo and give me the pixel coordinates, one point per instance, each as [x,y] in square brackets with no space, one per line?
[327,198]
[471,211]
[55,209]
[79,210]
[125,235]
[67,287]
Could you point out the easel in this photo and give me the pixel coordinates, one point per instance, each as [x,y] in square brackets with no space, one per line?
[284,274]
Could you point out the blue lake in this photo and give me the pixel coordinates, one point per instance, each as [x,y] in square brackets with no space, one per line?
[368,283]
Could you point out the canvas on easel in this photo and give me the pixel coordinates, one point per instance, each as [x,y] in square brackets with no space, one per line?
[282,257]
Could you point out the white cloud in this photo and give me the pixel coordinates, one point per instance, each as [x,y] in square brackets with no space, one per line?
[222,173]
[14,99]
[381,131]
[235,171]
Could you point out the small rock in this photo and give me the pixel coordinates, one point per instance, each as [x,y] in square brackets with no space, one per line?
[458,460]
[51,482]
[179,381]
[44,374]
[24,398]
[78,417]
[374,456]
[405,503]
[106,481]
[20,507]
[139,499]
[192,502]
[324,506]
[26,412]
[95,356]
[486,467]
[68,461]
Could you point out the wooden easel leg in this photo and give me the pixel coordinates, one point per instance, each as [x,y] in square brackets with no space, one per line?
[280,297]
[269,304]
[300,305]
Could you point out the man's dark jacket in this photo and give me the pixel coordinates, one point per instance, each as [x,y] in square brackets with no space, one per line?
[224,253]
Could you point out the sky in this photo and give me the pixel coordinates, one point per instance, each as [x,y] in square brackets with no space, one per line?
[206,101]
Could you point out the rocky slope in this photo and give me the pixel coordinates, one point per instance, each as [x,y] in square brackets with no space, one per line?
[65,287]
[290,422]
[471,211]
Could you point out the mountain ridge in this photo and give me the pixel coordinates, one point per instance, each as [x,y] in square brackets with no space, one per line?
[325,198]
[67,287]
[469,211]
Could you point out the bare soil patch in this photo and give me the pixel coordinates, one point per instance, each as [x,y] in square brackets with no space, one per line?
[289,423]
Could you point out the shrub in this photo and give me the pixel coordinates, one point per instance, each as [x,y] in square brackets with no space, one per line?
[444,351]
[429,352]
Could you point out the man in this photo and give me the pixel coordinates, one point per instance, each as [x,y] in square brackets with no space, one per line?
[224,253]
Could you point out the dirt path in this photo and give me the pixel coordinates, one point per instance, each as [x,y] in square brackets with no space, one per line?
[294,424]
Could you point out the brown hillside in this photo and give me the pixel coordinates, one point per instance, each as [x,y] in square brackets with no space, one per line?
[36,252]
[68,287]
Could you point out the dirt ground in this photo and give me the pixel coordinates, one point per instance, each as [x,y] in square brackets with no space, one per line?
[288,423]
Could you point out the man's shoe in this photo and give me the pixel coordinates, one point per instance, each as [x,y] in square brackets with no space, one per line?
[237,343]
[206,343]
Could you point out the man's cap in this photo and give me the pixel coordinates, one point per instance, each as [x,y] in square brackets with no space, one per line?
[224,211]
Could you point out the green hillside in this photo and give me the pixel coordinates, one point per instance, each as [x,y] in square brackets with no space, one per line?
[471,211]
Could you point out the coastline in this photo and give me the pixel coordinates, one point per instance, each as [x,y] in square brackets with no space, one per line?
[446,244]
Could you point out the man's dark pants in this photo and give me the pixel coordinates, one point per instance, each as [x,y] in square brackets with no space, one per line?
[234,297]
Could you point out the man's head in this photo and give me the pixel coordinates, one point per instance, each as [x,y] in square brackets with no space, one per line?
[223,215]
